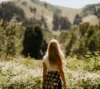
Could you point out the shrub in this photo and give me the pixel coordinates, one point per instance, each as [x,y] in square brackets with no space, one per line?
[11,37]
[9,9]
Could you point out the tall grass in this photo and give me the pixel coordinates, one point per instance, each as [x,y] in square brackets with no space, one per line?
[26,73]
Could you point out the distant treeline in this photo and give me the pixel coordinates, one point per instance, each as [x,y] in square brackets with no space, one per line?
[81,40]
[32,40]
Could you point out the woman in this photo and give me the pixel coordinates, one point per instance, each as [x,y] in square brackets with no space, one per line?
[53,75]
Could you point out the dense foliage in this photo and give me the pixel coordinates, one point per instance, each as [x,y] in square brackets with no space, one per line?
[9,10]
[60,22]
[80,41]
[91,10]
[32,41]
[11,37]
[77,20]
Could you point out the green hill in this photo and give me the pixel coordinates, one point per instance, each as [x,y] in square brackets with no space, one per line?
[37,9]
[46,10]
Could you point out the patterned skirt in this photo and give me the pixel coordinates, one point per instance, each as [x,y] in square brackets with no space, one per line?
[53,80]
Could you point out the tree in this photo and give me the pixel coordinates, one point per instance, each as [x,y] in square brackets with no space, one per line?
[32,41]
[56,22]
[65,23]
[77,20]
[94,41]
[9,9]
[83,28]
[11,36]
[70,44]
[60,22]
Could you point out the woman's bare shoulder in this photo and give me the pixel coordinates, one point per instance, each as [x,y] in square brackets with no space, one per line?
[44,58]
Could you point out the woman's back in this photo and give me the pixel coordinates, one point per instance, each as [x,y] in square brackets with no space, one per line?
[49,67]
[52,80]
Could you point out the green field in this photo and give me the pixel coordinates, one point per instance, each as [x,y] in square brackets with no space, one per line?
[26,73]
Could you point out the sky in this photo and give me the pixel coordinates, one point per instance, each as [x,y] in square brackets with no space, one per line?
[3,0]
[72,3]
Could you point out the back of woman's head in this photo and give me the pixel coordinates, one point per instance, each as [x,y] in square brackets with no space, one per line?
[55,54]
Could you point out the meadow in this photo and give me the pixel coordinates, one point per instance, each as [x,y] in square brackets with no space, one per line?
[26,73]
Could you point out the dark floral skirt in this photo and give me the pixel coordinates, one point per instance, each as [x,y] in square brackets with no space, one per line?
[53,80]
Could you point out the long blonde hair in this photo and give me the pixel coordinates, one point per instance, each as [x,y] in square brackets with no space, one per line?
[54,52]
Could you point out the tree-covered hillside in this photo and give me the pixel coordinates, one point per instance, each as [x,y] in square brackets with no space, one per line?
[35,11]
[90,9]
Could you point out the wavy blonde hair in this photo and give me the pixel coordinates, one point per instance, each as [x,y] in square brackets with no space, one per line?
[54,53]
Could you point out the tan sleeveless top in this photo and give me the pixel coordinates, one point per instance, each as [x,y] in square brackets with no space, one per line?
[49,67]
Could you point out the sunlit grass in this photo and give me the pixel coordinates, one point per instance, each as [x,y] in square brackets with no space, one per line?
[26,73]
[84,64]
